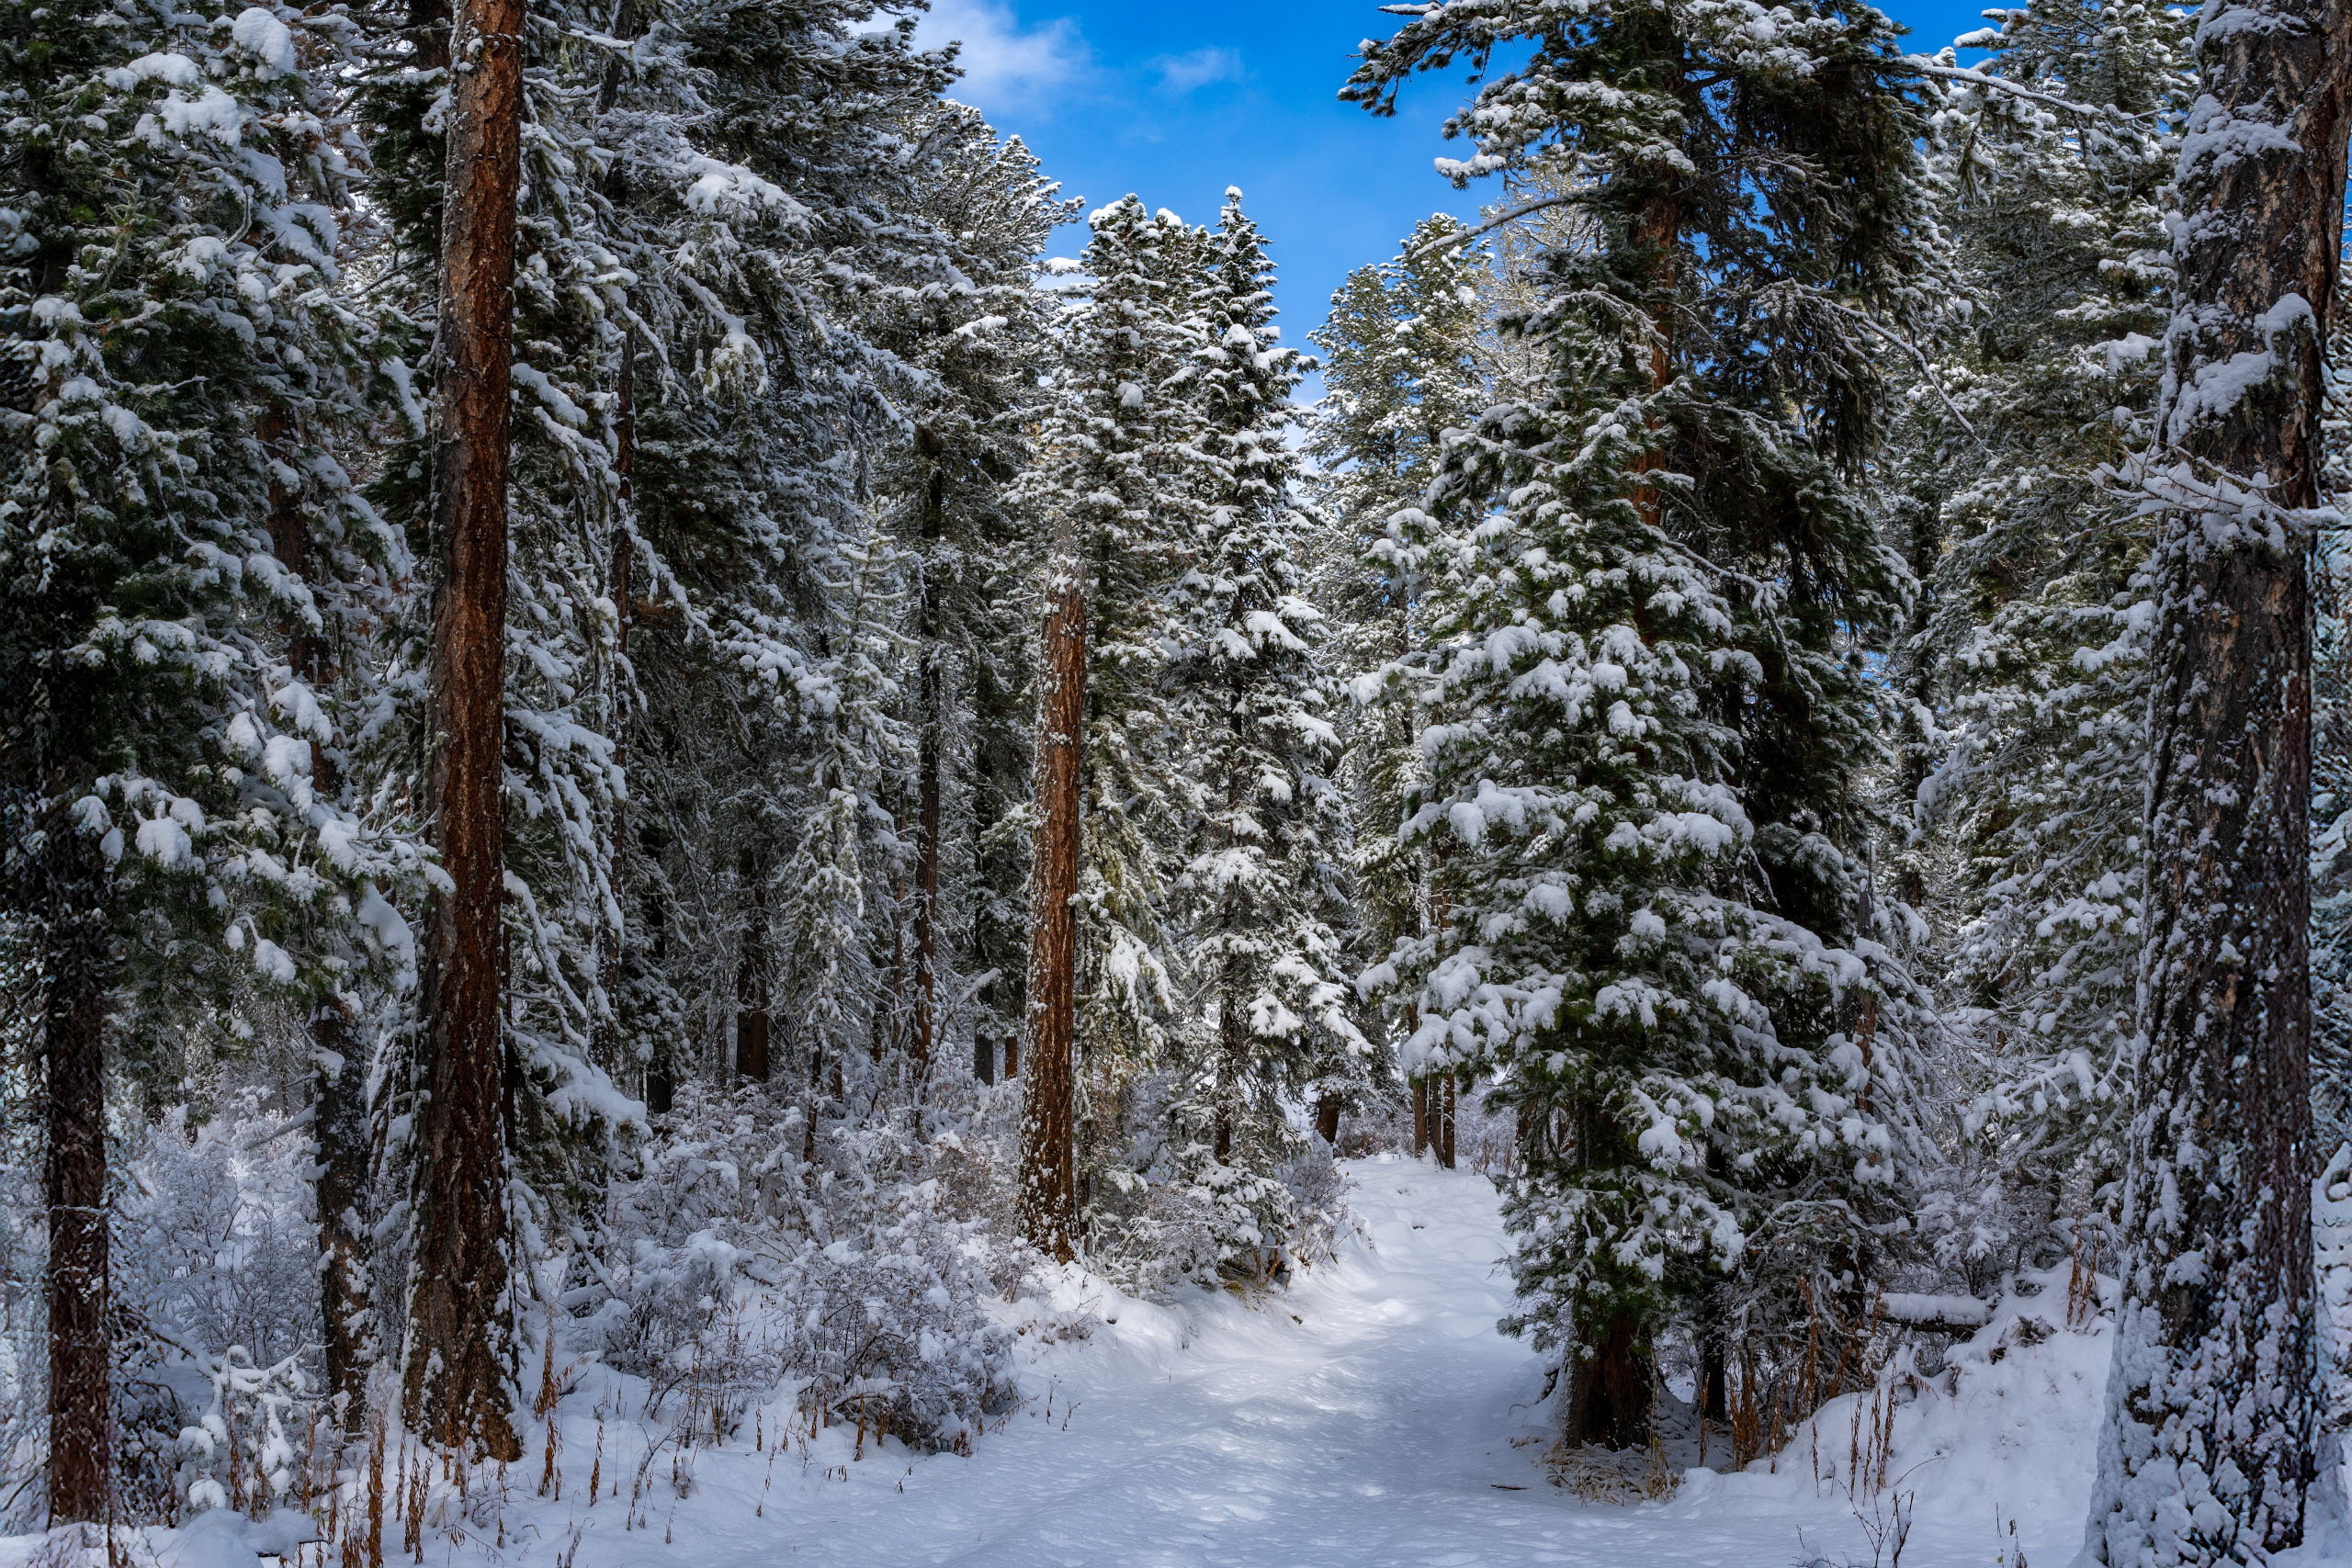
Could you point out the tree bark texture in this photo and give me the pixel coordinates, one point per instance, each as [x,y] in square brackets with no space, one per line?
[1609,1388]
[2212,1421]
[78,956]
[1048,1199]
[1421,1116]
[458,1376]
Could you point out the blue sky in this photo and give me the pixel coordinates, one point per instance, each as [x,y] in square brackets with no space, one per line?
[1176,102]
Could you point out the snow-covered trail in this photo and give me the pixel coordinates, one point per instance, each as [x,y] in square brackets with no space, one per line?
[1371,1429]
[1371,1416]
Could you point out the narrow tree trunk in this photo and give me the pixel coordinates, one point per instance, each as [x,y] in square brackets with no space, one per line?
[1421,1116]
[928,763]
[346,1298]
[1048,1203]
[458,1381]
[1233,1048]
[2212,1421]
[81,1400]
[751,976]
[1657,227]
[1445,1132]
[623,553]
[340,1118]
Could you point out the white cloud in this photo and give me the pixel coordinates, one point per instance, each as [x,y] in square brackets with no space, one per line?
[1183,72]
[1006,65]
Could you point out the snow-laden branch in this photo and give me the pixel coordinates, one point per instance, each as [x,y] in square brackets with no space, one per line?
[1922,65]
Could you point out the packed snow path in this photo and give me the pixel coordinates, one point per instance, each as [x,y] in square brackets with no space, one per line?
[1371,1415]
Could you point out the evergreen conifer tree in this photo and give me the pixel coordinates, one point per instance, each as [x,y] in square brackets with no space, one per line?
[1648,714]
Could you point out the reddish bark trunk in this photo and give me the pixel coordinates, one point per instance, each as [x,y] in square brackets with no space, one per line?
[457,1375]
[1327,1119]
[1049,1185]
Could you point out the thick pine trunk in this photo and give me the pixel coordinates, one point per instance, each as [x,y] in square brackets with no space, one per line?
[1609,1388]
[1048,1203]
[1326,1117]
[81,1397]
[2209,1449]
[458,1377]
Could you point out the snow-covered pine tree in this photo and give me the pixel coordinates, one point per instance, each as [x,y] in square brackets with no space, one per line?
[181,557]
[2033,645]
[2207,1454]
[1400,360]
[977,329]
[1650,711]
[1262,902]
[1115,478]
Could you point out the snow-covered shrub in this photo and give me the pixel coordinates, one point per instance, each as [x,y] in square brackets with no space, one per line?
[256,1442]
[733,1268]
[217,1238]
[216,1256]
[1174,1214]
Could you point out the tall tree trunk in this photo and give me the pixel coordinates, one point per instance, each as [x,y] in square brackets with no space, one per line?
[751,975]
[623,553]
[928,763]
[78,955]
[346,1296]
[1421,1116]
[2212,1421]
[1233,1057]
[458,1381]
[339,1188]
[1048,1203]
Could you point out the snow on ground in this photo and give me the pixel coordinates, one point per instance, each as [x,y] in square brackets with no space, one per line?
[1370,1416]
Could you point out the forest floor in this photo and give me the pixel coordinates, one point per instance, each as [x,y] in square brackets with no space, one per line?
[1370,1416]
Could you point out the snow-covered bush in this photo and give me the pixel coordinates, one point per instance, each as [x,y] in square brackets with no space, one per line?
[1173,1213]
[734,1268]
[217,1257]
